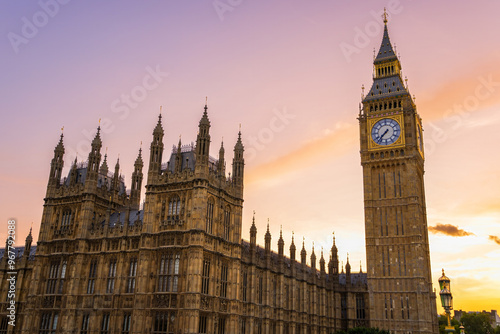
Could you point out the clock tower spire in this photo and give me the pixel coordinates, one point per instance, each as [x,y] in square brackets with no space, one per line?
[397,243]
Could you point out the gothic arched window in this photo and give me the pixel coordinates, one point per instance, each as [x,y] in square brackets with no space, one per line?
[66,218]
[227,222]
[174,208]
[210,215]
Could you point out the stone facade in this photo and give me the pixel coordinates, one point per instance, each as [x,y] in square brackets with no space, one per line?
[397,244]
[178,264]
[104,265]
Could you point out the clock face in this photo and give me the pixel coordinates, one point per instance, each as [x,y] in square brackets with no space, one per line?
[386,131]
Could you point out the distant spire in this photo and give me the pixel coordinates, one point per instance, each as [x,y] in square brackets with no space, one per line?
[292,249]
[348,265]
[281,242]
[334,246]
[253,231]
[104,166]
[386,52]
[159,128]
[303,252]
[267,238]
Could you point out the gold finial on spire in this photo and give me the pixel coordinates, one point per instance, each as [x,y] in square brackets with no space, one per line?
[161,109]
[206,100]
[62,129]
[385,16]
[239,127]
[99,122]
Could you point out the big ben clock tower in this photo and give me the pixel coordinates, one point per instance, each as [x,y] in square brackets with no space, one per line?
[397,244]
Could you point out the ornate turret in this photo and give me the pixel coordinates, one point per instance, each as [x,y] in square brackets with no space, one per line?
[116,177]
[281,244]
[73,174]
[156,152]
[93,161]
[221,164]
[313,259]
[135,191]
[253,233]
[322,263]
[292,250]
[27,244]
[103,170]
[238,162]
[57,164]
[203,140]
[348,271]
[267,239]
[178,157]
[333,265]
[303,253]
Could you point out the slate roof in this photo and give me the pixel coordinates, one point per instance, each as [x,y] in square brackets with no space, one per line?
[118,218]
[386,52]
[19,251]
[188,159]
[386,87]
[81,176]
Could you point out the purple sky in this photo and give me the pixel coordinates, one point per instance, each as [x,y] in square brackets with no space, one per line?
[291,73]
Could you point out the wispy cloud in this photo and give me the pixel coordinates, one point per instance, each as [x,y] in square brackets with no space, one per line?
[495,239]
[462,95]
[333,143]
[450,230]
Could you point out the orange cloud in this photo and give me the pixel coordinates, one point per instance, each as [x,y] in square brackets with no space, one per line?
[495,239]
[450,230]
[457,97]
[335,143]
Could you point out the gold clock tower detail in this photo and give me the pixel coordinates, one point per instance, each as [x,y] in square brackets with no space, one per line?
[397,244]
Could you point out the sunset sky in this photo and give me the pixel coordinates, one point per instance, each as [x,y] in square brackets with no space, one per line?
[290,72]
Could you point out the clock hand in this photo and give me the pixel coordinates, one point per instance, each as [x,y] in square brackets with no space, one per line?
[383,134]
